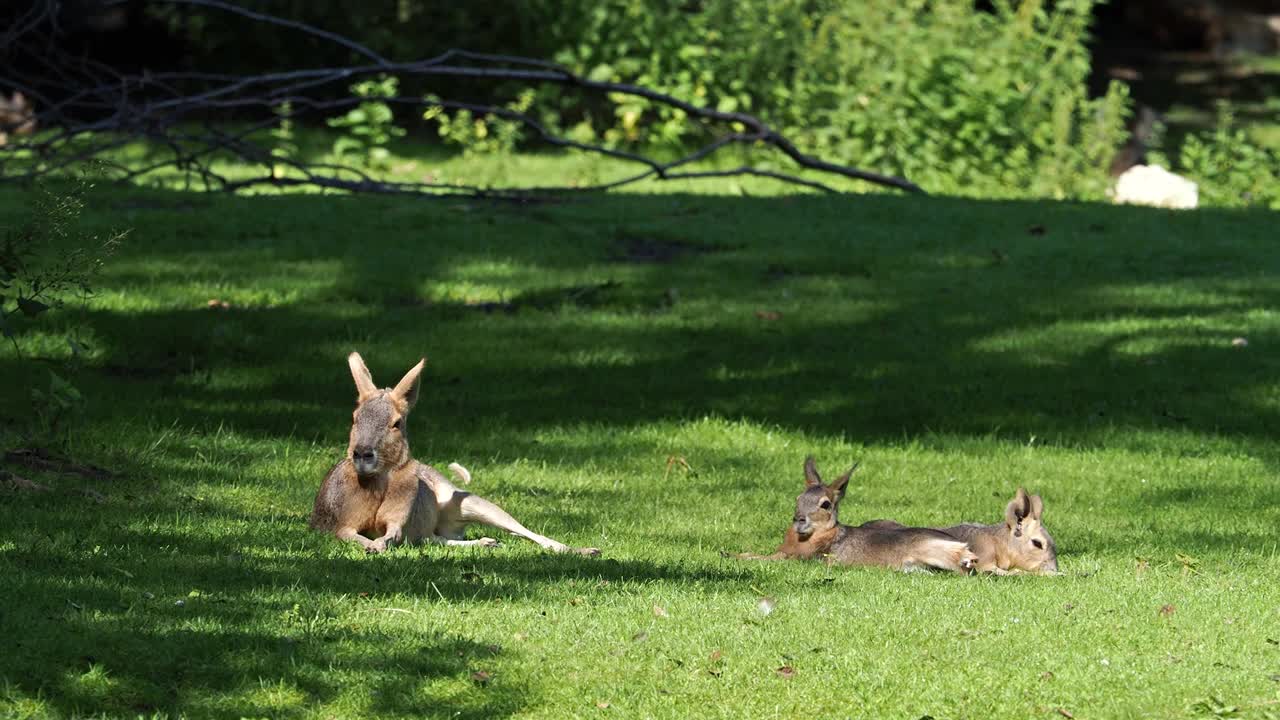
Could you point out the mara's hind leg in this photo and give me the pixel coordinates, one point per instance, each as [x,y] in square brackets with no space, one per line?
[474,508]
[454,542]
[950,555]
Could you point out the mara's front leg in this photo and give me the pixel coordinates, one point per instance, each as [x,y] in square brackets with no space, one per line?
[350,533]
[400,514]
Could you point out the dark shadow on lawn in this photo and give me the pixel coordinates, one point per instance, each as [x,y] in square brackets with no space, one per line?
[204,660]
[201,622]
[926,358]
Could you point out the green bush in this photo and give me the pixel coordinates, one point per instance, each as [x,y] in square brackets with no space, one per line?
[1230,169]
[977,103]
[46,262]
[989,103]
[369,126]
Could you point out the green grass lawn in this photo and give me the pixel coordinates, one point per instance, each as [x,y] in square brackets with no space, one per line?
[959,349]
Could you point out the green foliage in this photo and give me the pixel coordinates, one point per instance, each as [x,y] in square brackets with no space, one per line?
[976,103]
[961,101]
[991,104]
[368,127]
[489,133]
[46,262]
[284,143]
[981,103]
[1230,168]
[55,407]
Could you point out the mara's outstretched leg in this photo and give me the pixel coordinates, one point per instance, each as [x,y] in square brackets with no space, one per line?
[474,508]
[451,542]
[951,555]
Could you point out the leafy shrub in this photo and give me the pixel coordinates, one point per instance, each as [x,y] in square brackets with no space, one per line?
[964,101]
[979,103]
[45,263]
[489,133]
[959,100]
[1230,169]
[370,125]
[284,144]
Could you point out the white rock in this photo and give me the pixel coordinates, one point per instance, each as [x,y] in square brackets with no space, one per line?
[1153,185]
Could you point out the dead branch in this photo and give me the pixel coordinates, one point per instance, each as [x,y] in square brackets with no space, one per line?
[194,122]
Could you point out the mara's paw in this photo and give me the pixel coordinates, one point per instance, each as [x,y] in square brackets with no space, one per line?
[487,542]
[376,546]
[588,552]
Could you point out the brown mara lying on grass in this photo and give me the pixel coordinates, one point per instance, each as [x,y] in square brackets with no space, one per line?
[816,532]
[1019,544]
[379,496]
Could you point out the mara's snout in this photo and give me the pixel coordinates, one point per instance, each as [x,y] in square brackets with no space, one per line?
[804,528]
[365,460]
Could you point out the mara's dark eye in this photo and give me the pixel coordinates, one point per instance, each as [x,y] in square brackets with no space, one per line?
[825,504]
[396,425]
[1038,544]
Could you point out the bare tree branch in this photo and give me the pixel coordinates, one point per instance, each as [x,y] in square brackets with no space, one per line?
[89,111]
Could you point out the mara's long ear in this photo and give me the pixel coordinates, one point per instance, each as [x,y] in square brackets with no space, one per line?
[842,483]
[407,388]
[1018,508]
[1037,508]
[811,476]
[360,373]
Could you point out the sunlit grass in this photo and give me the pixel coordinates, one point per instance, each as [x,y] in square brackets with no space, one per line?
[658,406]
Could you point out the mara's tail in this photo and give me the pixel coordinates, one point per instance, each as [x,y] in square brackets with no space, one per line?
[461,473]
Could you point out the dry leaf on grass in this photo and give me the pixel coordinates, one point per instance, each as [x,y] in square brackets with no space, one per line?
[786,671]
[659,611]
[769,315]
[481,677]
[1166,610]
